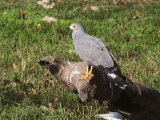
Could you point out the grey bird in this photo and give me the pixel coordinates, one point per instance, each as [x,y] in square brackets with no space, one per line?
[95,53]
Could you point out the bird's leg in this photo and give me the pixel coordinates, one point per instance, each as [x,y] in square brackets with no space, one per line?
[88,74]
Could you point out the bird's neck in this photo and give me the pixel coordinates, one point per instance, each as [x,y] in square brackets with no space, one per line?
[77,34]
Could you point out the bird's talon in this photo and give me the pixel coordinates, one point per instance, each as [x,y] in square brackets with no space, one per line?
[87,76]
[84,78]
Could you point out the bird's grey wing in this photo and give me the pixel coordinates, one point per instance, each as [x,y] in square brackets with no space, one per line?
[99,53]
[103,57]
[93,51]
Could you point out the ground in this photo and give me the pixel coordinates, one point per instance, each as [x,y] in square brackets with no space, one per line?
[27,91]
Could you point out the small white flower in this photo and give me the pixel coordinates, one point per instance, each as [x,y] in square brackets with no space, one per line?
[94,8]
[39,2]
[46,1]
[44,107]
[46,4]
[50,19]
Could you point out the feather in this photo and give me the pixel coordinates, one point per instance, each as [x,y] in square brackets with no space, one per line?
[111,116]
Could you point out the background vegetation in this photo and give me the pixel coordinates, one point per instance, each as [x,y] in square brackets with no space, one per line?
[27,91]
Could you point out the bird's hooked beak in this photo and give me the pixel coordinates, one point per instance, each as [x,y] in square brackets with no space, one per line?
[70,27]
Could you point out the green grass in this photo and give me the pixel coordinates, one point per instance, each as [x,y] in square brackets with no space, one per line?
[25,88]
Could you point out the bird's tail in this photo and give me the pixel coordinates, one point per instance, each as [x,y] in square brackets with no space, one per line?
[111,116]
[116,78]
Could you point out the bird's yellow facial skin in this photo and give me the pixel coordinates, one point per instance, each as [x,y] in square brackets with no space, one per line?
[73,27]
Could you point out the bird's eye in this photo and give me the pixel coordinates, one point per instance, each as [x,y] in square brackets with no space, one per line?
[74,26]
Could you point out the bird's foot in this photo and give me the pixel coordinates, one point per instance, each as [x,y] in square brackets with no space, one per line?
[88,75]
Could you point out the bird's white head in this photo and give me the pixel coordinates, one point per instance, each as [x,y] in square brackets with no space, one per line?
[76,26]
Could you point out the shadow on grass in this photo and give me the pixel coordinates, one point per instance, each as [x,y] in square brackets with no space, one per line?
[15,91]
